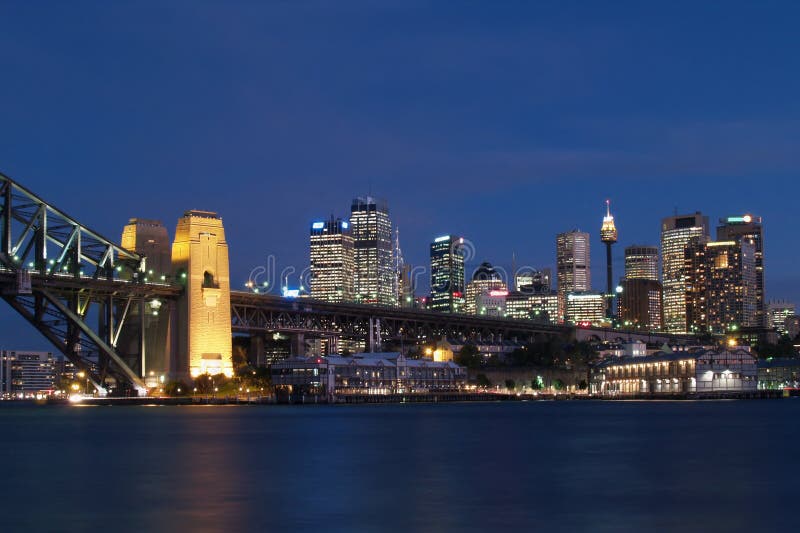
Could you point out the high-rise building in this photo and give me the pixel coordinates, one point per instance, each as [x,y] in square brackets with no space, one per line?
[485,279]
[533,281]
[405,286]
[676,232]
[532,306]
[24,374]
[748,228]
[371,228]
[608,234]
[720,285]
[572,266]
[641,262]
[585,307]
[640,303]
[149,238]
[778,313]
[332,264]
[447,274]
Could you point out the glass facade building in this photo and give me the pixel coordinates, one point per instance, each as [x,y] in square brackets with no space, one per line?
[447,274]
[748,228]
[641,262]
[720,286]
[375,278]
[332,261]
[572,266]
[676,232]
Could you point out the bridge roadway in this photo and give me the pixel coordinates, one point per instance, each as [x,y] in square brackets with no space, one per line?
[265,313]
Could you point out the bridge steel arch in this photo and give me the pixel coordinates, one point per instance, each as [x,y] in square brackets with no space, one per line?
[59,274]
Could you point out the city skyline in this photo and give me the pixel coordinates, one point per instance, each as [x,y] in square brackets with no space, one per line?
[471,141]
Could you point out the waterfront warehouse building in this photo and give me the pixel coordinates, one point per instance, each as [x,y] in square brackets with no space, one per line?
[332,263]
[375,278]
[676,232]
[447,274]
[779,373]
[26,374]
[367,373]
[695,371]
[572,267]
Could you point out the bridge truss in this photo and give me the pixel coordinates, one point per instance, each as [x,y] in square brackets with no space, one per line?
[253,313]
[60,275]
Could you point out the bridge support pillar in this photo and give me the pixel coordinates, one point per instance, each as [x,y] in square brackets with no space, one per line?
[257,354]
[298,345]
[200,261]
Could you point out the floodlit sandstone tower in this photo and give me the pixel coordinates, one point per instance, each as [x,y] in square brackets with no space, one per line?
[149,352]
[200,261]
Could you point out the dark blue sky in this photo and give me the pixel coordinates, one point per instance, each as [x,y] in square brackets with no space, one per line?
[504,122]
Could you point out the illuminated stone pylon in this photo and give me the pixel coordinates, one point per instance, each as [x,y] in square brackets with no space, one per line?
[200,261]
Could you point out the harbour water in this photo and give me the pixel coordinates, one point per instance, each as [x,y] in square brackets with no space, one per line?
[521,466]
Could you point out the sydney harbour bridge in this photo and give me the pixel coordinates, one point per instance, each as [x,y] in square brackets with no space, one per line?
[109,313]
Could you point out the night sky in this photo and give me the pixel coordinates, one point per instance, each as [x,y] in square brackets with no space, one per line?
[502,122]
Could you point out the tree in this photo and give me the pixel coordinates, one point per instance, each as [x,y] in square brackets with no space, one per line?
[558,384]
[510,385]
[537,383]
[583,385]
[469,356]
[176,388]
[483,381]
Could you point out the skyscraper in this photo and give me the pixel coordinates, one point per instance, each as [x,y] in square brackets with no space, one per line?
[778,313]
[572,266]
[720,285]
[332,264]
[485,279]
[371,228]
[608,234]
[640,304]
[640,300]
[447,274]
[641,262]
[676,232]
[749,228]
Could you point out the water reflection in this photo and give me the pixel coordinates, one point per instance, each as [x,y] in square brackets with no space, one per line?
[565,466]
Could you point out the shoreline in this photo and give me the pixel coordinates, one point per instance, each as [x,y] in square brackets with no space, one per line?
[771,394]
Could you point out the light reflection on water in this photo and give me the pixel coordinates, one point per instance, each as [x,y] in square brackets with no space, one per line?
[563,466]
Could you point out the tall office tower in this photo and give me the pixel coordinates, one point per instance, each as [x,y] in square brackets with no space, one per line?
[405,287]
[371,228]
[447,274]
[640,304]
[608,234]
[532,281]
[572,266]
[778,313]
[676,232]
[332,262]
[401,285]
[485,279]
[641,262]
[720,285]
[749,228]
[149,238]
